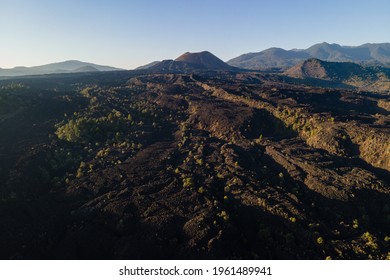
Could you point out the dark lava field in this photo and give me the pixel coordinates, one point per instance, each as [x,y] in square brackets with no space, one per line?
[208,165]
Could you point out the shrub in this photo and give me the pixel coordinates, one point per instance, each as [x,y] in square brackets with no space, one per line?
[320,241]
[224,215]
[188,182]
[370,241]
[355,223]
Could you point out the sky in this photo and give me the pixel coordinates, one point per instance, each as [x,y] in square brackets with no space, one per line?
[130,33]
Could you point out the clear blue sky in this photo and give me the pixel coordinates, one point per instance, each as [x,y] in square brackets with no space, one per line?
[134,32]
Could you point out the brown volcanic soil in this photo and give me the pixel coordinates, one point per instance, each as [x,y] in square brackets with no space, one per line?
[315,68]
[197,166]
[340,74]
[204,59]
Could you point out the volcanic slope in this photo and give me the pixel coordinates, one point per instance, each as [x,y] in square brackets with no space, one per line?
[315,68]
[204,59]
[167,166]
[347,73]
[189,63]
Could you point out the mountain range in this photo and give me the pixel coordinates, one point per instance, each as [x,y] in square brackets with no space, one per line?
[269,59]
[378,54]
[70,66]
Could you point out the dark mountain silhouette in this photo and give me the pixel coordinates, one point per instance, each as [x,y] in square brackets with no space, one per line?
[204,59]
[70,66]
[378,54]
[174,66]
[319,69]
[189,62]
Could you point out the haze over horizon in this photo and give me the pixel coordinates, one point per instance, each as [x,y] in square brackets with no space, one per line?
[128,34]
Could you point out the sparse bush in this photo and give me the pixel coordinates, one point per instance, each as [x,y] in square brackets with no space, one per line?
[224,215]
[188,182]
[355,223]
[199,161]
[370,241]
[292,219]
[320,241]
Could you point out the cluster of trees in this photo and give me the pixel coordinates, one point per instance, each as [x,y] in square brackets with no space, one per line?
[87,129]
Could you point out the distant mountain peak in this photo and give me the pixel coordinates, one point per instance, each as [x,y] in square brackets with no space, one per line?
[189,62]
[276,57]
[205,59]
[68,66]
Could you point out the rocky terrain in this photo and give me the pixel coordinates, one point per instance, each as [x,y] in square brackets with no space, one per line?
[201,165]
[366,78]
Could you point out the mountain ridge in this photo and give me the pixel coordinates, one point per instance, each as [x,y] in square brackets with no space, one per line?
[68,66]
[368,53]
[372,78]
